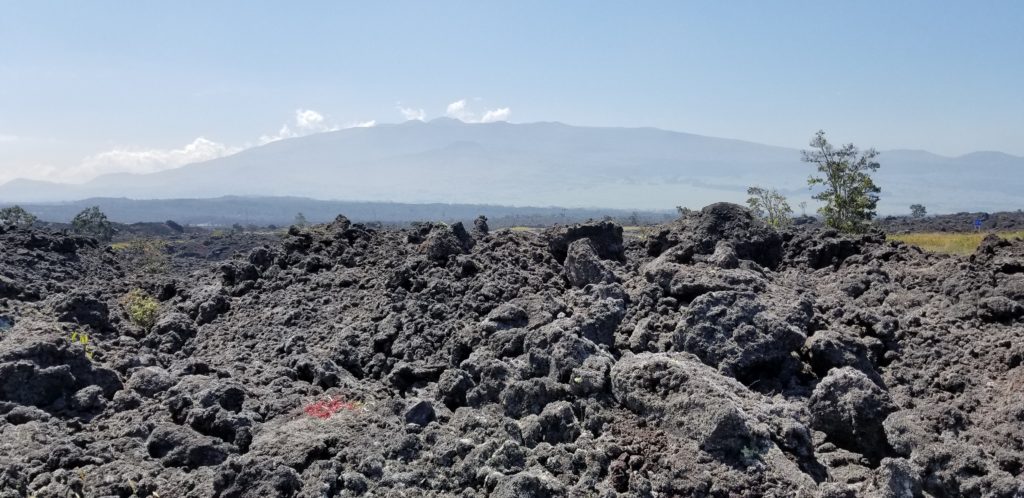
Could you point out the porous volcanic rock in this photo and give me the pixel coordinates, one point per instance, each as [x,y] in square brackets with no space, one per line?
[711,356]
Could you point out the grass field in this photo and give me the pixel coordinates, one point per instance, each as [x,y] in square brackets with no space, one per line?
[951,243]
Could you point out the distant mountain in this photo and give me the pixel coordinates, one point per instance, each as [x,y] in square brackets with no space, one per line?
[542,164]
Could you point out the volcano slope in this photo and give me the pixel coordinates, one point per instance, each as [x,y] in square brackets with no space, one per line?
[713,357]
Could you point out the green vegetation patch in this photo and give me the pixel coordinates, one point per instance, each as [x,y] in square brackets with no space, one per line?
[142,309]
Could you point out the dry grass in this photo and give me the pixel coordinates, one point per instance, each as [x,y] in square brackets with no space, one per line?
[949,243]
[120,246]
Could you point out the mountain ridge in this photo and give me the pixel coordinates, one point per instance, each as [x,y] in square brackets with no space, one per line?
[545,163]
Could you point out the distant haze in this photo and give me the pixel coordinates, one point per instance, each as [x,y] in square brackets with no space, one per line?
[543,164]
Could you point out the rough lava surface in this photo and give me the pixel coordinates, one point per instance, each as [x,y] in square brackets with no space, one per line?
[713,356]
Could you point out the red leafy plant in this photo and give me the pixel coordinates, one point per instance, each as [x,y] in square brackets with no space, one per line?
[325,408]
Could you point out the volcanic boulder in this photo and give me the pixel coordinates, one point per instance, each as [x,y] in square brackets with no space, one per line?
[606,237]
[745,336]
[749,237]
[848,407]
[583,266]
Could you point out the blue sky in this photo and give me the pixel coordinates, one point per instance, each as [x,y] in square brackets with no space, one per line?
[93,87]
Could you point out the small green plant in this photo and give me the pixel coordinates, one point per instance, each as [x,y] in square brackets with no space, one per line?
[81,338]
[142,309]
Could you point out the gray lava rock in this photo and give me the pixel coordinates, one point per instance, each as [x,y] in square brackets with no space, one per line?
[1000,308]
[179,447]
[480,227]
[686,282]
[895,478]
[742,335]
[82,308]
[207,304]
[530,483]
[828,349]
[38,367]
[453,386]
[583,266]
[171,331]
[605,236]
[848,407]
[695,403]
[555,424]
[420,413]
[542,393]
[749,237]
[441,243]
[89,398]
[724,256]
[530,396]
[150,381]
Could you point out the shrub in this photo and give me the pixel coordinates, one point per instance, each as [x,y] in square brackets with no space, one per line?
[148,255]
[770,205]
[91,221]
[17,216]
[141,308]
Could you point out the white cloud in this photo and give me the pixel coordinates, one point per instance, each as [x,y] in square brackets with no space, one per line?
[135,160]
[307,122]
[460,111]
[496,115]
[411,114]
[308,118]
[150,160]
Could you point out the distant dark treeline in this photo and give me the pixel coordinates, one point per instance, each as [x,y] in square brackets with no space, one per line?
[264,211]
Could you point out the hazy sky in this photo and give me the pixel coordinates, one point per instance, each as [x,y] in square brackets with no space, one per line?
[94,87]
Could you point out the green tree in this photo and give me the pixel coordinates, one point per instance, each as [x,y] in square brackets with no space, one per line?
[770,205]
[17,216]
[849,194]
[91,221]
[300,220]
[918,211]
